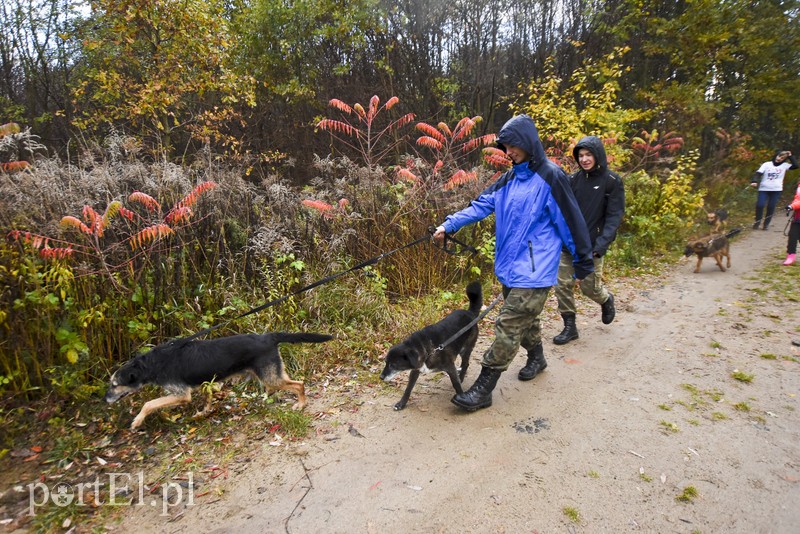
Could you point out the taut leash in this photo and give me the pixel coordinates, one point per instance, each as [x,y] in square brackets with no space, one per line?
[471,324]
[325,280]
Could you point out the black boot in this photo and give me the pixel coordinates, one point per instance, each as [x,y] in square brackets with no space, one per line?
[570,331]
[609,311]
[480,394]
[536,364]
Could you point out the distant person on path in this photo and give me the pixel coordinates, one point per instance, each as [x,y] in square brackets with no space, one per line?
[769,179]
[601,197]
[794,228]
[535,215]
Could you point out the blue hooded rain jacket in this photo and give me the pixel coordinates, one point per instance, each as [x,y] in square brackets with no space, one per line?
[535,215]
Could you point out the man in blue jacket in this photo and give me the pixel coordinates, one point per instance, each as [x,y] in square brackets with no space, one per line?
[535,215]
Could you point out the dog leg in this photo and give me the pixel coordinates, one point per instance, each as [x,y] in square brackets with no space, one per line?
[465,353]
[205,411]
[718,258]
[295,386]
[412,380]
[157,404]
[699,261]
[454,378]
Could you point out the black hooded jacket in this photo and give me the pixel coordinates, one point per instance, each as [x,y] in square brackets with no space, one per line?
[600,195]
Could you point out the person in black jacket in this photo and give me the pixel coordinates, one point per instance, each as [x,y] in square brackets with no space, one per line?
[601,198]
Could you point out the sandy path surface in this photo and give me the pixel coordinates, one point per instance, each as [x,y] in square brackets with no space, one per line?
[620,423]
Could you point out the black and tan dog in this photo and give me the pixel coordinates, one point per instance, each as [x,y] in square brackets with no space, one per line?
[179,366]
[420,351]
[717,219]
[716,246]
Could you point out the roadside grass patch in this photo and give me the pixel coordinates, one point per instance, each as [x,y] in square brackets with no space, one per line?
[668,427]
[688,495]
[741,376]
[741,407]
[572,514]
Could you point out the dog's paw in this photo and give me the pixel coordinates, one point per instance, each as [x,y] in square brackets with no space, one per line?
[399,406]
[136,424]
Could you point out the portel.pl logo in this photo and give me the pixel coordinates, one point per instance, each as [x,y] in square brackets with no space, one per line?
[124,489]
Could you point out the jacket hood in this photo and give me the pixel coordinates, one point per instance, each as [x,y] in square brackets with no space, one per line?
[521,131]
[595,146]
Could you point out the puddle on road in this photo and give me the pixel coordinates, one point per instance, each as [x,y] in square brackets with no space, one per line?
[532,425]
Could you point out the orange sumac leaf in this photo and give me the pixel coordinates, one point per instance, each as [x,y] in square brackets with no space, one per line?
[336,126]
[445,128]
[463,128]
[14,166]
[191,199]
[391,102]
[69,221]
[497,161]
[341,106]
[484,140]
[438,167]
[460,177]
[59,253]
[149,235]
[318,205]
[402,121]
[408,176]
[431,132]
[125,213]
[429,142]
[359,109]
[145,200]
[179,215]
[373,107]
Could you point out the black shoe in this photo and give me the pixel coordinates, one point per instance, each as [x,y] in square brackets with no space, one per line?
[480,394]
[536,364]
[609,312]
[570,331]
[755,225]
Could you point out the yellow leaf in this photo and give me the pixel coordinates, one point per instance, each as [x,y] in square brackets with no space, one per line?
[72,356]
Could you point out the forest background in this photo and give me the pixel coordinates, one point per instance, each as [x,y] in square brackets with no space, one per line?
[168,165]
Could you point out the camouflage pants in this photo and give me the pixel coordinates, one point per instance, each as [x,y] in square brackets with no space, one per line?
[591,286]
[517,324]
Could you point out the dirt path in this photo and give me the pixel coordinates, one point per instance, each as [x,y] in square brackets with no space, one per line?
[622,421]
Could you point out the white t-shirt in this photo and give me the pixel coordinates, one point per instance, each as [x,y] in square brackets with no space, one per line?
[772,176]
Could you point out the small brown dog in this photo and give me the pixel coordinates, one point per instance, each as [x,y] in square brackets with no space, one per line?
[717,220]
[714,245]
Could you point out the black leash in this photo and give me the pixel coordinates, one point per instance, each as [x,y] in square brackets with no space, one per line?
[471,324]
[325,280]
[448,237]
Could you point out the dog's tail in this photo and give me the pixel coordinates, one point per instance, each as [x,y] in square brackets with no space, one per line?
[733,232]
[300,337]
[475,295]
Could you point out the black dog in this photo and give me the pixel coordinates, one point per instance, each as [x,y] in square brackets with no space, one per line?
[419,352]
[181,365]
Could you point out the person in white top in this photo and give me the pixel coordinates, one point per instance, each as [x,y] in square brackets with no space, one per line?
[769,179]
